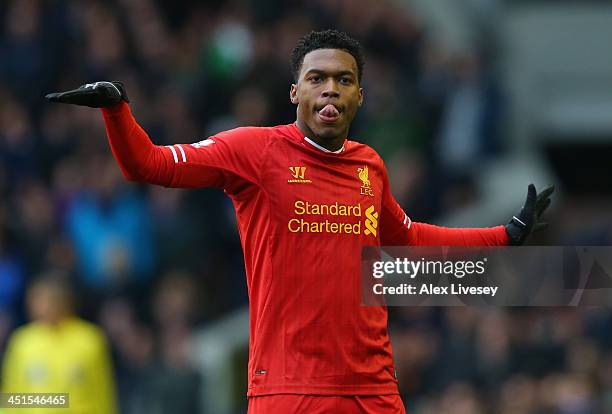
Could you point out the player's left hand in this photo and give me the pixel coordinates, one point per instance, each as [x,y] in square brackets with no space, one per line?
[528,221]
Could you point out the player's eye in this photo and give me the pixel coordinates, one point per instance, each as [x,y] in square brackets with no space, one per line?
[346,81]
[316,78]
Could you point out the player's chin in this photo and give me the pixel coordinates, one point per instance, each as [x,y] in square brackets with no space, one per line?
[329,131]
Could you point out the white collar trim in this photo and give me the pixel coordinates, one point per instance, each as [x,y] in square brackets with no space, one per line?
[317,146]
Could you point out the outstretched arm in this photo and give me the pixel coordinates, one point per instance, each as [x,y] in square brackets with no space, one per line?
[227,160]
[424,234]
[398,230]
[409,233]
[140,160]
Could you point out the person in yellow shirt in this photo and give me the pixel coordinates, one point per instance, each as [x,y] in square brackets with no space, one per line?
[60,353]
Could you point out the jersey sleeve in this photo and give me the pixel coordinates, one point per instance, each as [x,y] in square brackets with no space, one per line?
[397,229]
[228,160]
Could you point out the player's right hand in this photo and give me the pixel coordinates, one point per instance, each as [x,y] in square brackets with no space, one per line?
[95,95]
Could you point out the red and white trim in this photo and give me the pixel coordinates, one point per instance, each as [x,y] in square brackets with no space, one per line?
[182,152]
[317,146]
[175,154]
[407,220]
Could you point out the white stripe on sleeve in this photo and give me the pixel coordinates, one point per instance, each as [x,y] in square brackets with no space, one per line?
[182,152]
[173,153]
[407,219]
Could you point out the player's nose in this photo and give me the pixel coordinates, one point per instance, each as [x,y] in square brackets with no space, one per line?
[331,89]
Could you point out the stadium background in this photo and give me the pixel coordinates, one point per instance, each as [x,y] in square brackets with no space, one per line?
[467,102]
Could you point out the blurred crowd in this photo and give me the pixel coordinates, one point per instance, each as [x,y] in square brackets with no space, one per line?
[150,264]
[503,361]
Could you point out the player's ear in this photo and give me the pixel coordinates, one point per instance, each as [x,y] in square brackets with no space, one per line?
[360,96]
[293,94]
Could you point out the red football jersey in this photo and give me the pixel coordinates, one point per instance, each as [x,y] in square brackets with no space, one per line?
[304,214]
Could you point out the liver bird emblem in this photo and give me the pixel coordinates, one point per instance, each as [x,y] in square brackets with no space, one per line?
[363,176]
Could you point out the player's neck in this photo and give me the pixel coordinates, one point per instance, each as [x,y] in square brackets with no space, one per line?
[331,144]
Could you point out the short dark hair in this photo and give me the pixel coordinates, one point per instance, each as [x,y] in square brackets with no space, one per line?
[326,39]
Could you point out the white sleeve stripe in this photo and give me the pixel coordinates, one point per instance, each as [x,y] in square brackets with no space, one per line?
[173,153]
[182,152]
[407,219]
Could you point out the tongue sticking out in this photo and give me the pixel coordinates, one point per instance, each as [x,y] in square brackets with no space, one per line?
[329,113]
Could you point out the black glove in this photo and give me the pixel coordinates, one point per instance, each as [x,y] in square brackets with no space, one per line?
[95,95]
[527,221]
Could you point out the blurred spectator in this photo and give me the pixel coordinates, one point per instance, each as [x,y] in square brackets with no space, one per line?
[34,222]
[156,378]
[175,383]
[469,122]
[58,352]
[461,398]
[17,143]
[111,229]
[12,281]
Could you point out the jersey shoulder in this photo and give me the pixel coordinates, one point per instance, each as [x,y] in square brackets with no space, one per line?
[85,328]
[25,334]
[249,135]
[364,151]
[254,131]
[26,337]
[73,326]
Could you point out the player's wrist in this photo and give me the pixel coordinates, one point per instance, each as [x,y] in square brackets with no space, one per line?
[115,109]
